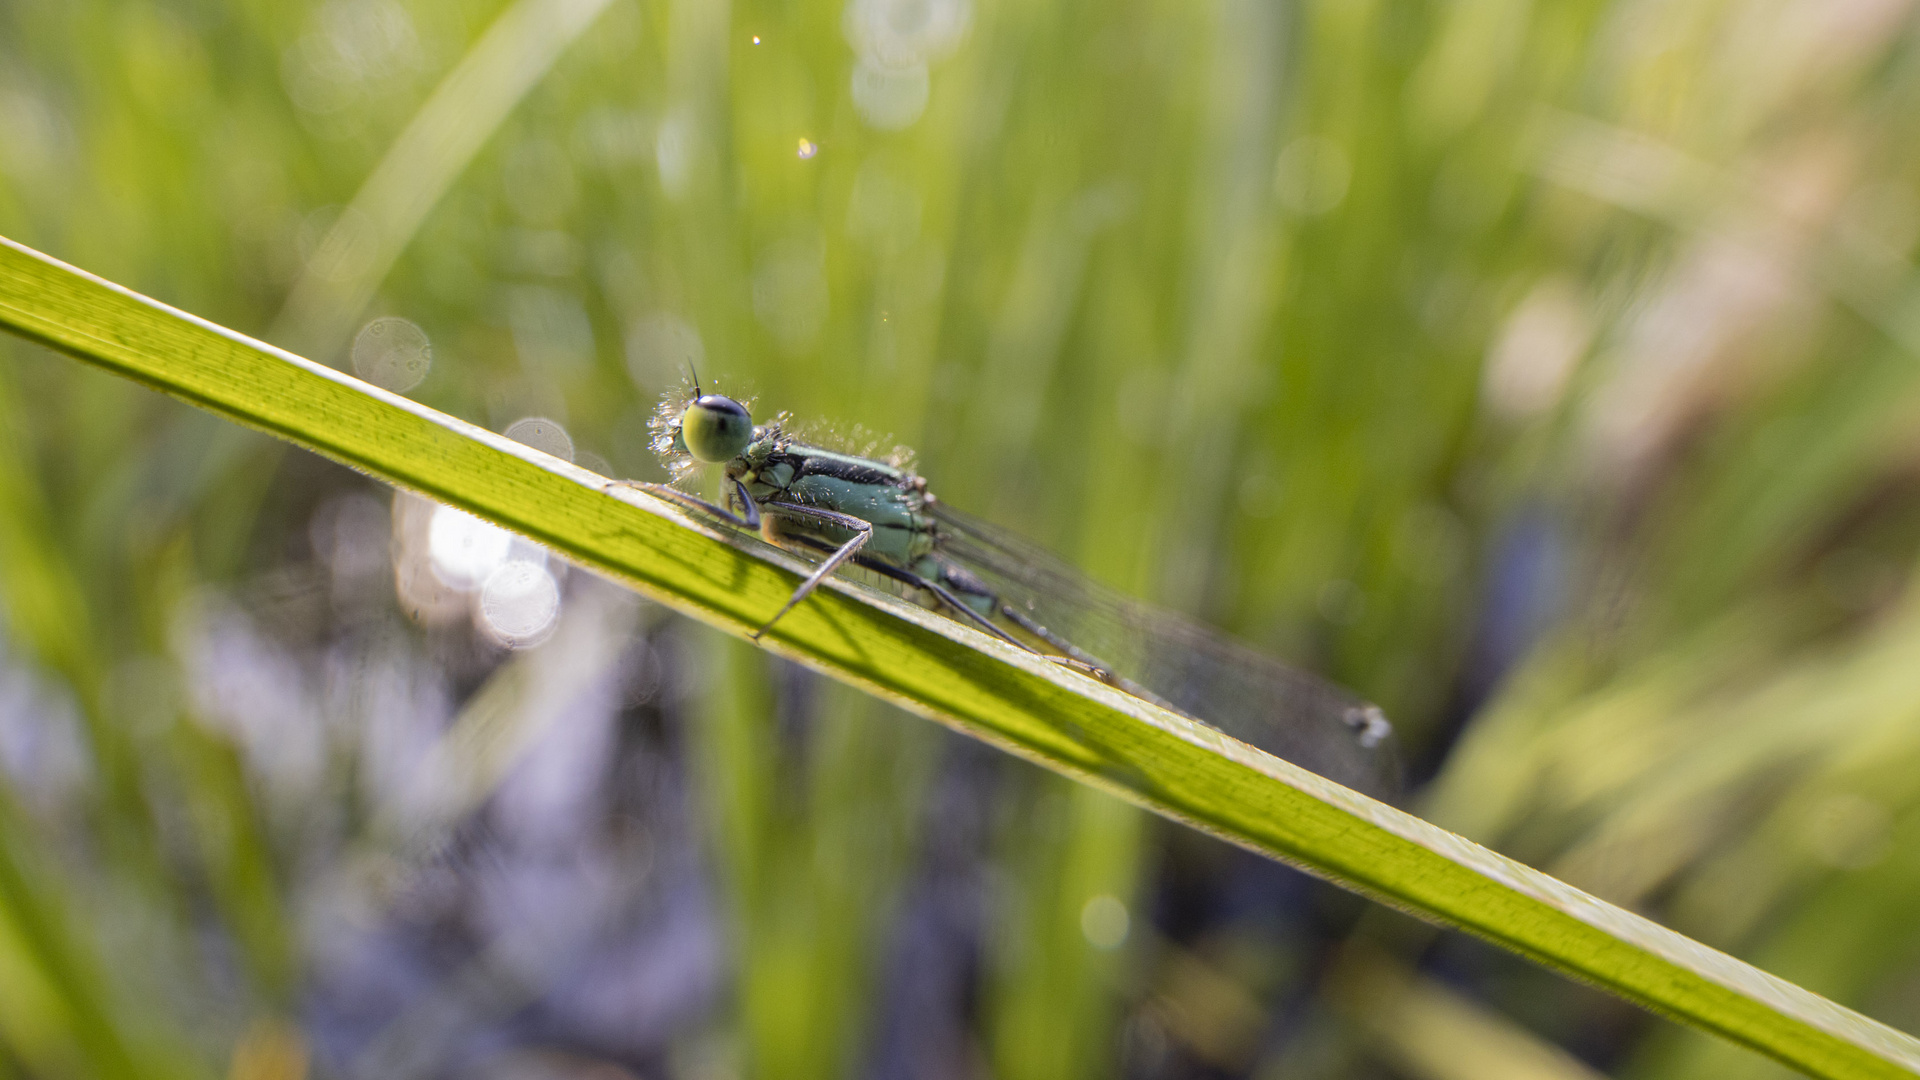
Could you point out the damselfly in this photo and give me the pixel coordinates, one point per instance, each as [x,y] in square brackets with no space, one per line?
[859,511]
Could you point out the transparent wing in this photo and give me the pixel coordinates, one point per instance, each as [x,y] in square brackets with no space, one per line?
[1199,671]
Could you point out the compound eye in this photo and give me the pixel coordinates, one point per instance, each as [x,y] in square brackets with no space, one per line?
[716,429]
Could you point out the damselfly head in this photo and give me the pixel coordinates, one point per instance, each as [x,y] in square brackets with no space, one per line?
[716,429]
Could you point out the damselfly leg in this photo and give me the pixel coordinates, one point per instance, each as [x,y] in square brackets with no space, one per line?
[755,519]
[945,591]
[862,531]
[695,502]
[947,598]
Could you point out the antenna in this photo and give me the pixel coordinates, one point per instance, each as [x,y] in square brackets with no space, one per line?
[697,393]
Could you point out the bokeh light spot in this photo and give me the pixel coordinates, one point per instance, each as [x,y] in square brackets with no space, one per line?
[1312,175]
[349,50]
[542,434]
[1105,922]
[902,33]
[392,353]
[1537,351]
[890,98]
[676,144]
[465,550]
[520,604]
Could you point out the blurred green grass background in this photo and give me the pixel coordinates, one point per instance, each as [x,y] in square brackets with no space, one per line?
[1545,372]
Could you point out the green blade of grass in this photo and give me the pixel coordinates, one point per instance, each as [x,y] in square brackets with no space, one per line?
[947,672]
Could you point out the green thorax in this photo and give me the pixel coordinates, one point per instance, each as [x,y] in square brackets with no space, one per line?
[777,469]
